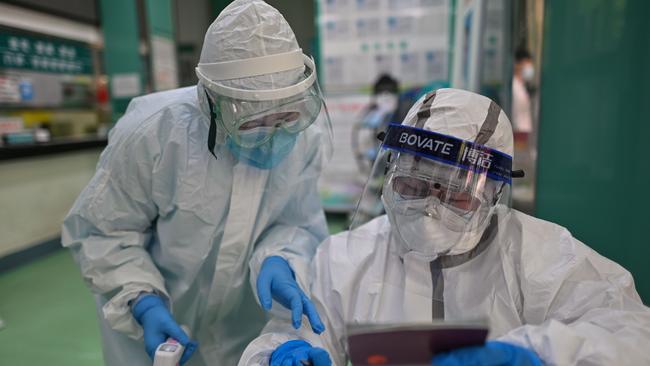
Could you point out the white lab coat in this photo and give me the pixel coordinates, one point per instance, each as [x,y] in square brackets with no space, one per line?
[163,215]
[540,287]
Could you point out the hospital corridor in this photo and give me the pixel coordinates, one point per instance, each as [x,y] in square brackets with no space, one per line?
[324,182]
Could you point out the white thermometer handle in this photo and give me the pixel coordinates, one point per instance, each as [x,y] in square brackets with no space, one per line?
[170,352]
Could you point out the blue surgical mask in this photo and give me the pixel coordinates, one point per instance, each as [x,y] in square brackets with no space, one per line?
[268,155]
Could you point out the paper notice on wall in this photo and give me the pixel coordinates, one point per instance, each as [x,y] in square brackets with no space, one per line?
[126,85]
[337,30]
[163,63]
[367,5]
[435,64]
[401,25]
[402,4]
[10,125]
[385,64]
[334,70]
[360,69]
[9,90]
[368,27]
[336,6]
[409,67]
[492,67]
[341,183]
[432,2]
[363,39]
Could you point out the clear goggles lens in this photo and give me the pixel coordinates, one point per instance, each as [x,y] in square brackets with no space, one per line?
[286,120]
[255,129]
[461,191]
[411,188]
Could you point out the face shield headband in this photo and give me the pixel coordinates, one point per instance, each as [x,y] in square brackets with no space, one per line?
[449,150]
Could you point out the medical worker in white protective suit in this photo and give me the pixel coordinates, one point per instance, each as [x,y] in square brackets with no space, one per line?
[206,196]
[450,248]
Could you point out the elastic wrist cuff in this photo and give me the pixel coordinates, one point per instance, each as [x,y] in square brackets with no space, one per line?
[145,303]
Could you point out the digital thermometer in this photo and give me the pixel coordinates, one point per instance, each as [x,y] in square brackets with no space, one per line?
[170,352]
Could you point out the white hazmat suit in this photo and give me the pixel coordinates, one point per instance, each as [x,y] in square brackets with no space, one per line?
[540,288]
[165,215]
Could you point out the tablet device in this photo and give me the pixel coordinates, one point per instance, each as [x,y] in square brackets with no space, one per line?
[410,344]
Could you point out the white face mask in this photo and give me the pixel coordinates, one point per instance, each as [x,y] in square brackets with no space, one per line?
[386,101]
[432,237]
[528,72]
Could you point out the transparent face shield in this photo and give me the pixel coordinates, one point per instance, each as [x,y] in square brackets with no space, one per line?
[289,102]
[459,198]
[437,190]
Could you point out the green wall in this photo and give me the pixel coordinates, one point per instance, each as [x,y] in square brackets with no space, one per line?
[121,44]
[218,6]
[160,18]
[595,116]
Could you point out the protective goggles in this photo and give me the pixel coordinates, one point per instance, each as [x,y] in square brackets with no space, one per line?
[251,124]
[410,188]
[407,193]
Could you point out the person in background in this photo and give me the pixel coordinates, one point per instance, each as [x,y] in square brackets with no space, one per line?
[450,248]
[206,197]
[524,72]
[383,109]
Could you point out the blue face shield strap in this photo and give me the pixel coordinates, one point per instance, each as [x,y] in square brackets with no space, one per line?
[212,132]
[449,150]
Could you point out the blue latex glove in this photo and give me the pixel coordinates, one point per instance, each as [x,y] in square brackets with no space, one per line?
[493,353]
[276,281]
[299,353]
[158,324]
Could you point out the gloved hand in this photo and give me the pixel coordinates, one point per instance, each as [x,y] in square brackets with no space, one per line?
[493,353]
[158,324]
[299,353]
[276,281]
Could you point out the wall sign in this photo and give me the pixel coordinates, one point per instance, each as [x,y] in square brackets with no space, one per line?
[43,54]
